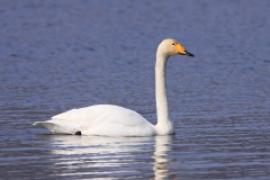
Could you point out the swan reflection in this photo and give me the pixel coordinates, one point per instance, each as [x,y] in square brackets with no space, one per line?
[162,146]
[98,155]
[81,145]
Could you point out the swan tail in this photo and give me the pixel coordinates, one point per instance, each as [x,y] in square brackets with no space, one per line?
[44,124]
[55,128]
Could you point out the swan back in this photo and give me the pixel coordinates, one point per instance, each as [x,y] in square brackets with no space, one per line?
[106,120]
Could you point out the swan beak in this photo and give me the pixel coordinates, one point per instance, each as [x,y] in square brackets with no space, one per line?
[189,53]
[182,51]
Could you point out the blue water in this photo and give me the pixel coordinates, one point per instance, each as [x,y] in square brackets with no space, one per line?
[58,55]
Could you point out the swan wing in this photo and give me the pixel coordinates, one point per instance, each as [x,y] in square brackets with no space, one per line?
[107,120]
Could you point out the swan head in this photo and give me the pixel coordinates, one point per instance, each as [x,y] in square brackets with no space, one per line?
[171,47]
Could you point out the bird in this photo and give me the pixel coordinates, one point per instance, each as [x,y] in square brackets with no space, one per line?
[114,120]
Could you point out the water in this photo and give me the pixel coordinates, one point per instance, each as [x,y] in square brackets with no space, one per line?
[58,55]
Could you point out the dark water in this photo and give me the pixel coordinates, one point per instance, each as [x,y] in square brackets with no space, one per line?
[58,55]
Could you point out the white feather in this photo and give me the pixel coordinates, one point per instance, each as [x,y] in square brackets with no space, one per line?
[112,120]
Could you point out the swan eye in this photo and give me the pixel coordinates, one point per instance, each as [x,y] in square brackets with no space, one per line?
[173,44]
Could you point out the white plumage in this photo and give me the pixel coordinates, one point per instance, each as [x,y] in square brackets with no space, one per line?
[112,120]
[100,120]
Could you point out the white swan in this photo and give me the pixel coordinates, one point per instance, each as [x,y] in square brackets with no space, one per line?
[112,120]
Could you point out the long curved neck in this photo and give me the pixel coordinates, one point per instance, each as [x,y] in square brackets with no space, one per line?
[164,125]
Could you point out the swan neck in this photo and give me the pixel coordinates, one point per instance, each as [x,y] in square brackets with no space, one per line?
[164,125]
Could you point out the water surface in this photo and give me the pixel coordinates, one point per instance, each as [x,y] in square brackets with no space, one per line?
[58,55]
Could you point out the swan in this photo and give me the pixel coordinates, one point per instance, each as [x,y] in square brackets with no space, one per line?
[113,120]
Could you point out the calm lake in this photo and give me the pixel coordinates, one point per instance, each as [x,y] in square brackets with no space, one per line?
[59,55]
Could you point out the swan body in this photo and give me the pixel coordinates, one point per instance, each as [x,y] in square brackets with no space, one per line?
[112,120]
[102,119]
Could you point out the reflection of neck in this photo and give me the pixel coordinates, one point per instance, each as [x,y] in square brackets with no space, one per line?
[164,125]
[160,157]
